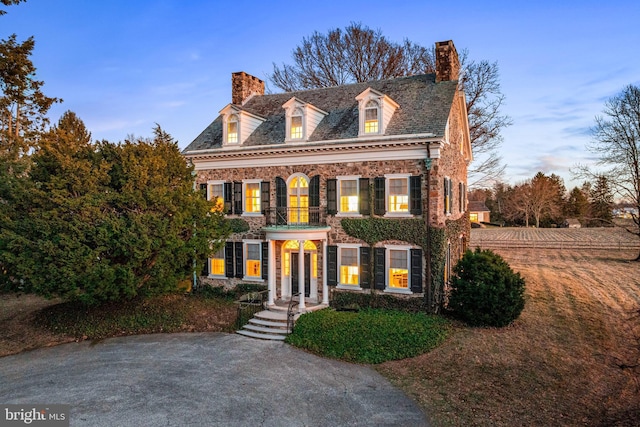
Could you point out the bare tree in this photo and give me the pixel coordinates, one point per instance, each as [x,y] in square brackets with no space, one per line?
[517,206]
[546,196]
[616,142]
[360,54]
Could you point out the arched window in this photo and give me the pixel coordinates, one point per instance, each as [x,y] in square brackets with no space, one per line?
[299,200]
[371,117]
[296,124]
[232,129]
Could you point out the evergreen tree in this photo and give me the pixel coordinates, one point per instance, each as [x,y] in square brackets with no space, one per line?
[601,203]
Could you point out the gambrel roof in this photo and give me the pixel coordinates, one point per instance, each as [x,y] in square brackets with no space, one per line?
[424,108]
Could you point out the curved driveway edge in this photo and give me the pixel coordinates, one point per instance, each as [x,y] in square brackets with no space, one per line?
[203,379]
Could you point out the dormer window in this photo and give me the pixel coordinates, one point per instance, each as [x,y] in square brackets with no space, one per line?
[232,129]
[296,124]
[375,110]
[371,117]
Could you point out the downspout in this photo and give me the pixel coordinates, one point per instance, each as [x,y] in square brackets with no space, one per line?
[428,224]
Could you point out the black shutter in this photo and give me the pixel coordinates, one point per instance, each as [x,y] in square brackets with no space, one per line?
[332,197]
[239,259]
[463,195]
[332,265]
[265,196]
[416,270]
[379,268]
[281,201]
[365,265]
[228,259]
[379,196]
[365,208]
[228,198]
[237,198]
[415,195]
[205,267]
[314,192]
[265,260]
[203,191]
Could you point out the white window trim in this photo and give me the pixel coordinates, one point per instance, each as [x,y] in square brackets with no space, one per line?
[245,258]
[210,185]
[225,128]
[387,263]
[289,118]
[378,115]
[244,196]
[448,207]
[355,178]
[387,193]
[224,259]
[349,246]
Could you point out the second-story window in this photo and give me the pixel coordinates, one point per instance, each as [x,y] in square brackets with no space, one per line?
[252,197]
[296,124]
[348,195]
[216,192]
[232,129]
[398,195]
[371,117]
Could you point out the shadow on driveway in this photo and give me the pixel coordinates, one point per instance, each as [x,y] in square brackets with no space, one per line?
[203,379]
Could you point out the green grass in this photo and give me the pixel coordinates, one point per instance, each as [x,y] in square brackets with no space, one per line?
[368,336]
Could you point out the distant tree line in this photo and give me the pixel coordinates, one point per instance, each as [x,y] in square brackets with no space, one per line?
[543,201]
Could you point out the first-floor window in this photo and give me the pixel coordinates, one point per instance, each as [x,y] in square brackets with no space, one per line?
[349,268]
[398,269]
[253,260]
[217,263]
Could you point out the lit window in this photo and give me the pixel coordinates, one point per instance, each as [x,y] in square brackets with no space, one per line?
[398,269]
[232,129]
[299,200]
[371,117]
[217,263]
[349,266]
[473,217]
[216,192]
[398,195]
[296,124]
[252,197]
[253,260]
[349,195]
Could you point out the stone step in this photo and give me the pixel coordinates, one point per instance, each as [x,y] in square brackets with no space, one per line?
[271,315]
[265,330]
[261,322]
[261,336]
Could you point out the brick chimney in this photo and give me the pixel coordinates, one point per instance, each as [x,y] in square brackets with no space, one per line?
[244,85]
[447,62]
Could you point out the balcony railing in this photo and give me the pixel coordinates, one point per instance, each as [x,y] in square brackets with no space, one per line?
[295,217]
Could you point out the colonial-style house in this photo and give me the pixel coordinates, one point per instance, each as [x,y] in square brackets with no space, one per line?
[359,188]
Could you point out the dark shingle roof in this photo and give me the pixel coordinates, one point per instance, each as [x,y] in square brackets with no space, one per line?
[424,108]
[477,206]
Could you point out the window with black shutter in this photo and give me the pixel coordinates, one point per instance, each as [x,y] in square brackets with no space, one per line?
[265,196]
[239,258]
[365,266]
[332,265]
[228,198]
[265,260]
[363,202]
[332,197]
[237,198]
[379,207]
[415,195]
[379,280]
[416,270]
[228,259]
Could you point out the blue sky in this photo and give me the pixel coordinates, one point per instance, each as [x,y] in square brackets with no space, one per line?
[124,65]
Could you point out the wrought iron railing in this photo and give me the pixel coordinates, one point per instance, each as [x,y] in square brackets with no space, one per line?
[295,217]
[248,305]
[290,313]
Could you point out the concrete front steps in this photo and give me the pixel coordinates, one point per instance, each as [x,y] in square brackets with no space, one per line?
[267,325]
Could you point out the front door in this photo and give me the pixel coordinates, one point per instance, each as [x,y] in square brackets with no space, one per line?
[295,276]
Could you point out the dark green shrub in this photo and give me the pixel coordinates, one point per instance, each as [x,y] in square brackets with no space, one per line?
[485,290]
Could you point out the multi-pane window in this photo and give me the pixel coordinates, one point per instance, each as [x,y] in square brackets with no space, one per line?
[252,197]
[216,192]
[299,200]
[398,195]
[398,269]
[232,129]
[349,268]
[253,260]
[371,119]
[296,124]
[217,263]
[349,195]
[448,199]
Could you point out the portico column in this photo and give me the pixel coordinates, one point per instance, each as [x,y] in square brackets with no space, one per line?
[272,273]
[301,277]
[325,287]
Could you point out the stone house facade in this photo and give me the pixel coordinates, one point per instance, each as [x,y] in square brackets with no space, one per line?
[360,187]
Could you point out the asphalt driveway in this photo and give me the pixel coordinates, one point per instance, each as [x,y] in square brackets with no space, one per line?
[202,379]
